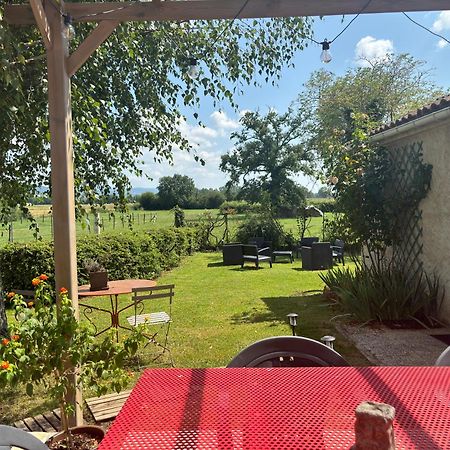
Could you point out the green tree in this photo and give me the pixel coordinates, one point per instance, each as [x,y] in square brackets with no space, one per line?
[148,201]
[128,95]
[267,152]
[176,190]
[385,90]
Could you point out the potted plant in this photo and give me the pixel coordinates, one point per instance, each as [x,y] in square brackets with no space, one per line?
[47,345]
[98,276]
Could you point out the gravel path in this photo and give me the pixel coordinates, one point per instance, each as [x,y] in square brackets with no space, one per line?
[383,346]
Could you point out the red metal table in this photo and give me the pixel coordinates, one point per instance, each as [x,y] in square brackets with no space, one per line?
[115,288]
[279,408]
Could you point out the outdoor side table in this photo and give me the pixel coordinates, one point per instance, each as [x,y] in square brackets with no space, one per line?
[115,288]
[283,253]
[279,408]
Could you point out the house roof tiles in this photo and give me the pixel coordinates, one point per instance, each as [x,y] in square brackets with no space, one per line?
[437,105]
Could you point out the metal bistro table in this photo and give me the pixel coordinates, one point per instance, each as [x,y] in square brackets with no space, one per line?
[279,408]
[115,288]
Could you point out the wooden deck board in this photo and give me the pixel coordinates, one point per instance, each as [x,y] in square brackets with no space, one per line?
[108,406]
[48,422]
[102,408]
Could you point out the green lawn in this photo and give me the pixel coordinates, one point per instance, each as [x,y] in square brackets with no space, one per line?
[137,220]
[217,311]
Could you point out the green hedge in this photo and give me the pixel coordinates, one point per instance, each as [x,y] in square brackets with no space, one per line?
[124,255]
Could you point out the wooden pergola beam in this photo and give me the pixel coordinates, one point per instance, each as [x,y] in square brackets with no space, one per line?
[89,45]
[41,21]
[217,9]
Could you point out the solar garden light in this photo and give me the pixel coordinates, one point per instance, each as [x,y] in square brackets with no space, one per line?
[293,322]
[328,341]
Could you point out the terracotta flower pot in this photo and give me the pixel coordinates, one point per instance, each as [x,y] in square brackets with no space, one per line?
[93,431]
[98,280]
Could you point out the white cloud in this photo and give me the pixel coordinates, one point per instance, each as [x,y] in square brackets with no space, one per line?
[223,122]
[441,43]
[198,136]
[370,49]
[442,22]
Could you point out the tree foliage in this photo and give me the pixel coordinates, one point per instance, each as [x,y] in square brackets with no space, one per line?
[364,178]
[127,98]
[176,190]
[267,153]
[385,89]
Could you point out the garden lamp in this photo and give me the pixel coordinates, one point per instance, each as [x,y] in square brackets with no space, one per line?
[194,70]
[293,322]
[325,56]
[328,341]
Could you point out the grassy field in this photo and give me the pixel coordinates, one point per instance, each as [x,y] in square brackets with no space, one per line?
[217,311]
[136,220]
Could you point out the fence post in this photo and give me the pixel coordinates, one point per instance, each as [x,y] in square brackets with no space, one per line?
[97,224]
[11,232]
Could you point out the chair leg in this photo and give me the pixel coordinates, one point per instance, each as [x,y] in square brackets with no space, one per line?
[270,262]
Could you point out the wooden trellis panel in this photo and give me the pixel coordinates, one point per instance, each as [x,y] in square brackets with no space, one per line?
[407,248]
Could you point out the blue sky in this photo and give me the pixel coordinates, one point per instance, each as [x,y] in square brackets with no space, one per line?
[372,35]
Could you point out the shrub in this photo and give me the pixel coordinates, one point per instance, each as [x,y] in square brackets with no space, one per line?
[325,205]
[179,220]
[239,207]
[385,292]
[337,227]
[268,227]
[124,255]
[46,344]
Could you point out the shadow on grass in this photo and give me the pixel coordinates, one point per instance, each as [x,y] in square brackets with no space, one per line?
[278,308]
[216,264]
[243,269]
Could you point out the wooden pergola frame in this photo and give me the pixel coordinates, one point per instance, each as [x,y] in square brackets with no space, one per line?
[48,15]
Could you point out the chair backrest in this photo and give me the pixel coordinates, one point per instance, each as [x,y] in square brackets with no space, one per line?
[258,241]
[287,351]
[444,358]
[308,241]
[250,250]
[339,243]
[13,437]
[232,253]
[154,292]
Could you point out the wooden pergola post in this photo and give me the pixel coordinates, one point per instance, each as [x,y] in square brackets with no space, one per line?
[61,66]
[62,175]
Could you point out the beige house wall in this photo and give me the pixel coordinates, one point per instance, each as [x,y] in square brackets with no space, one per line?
[435,137]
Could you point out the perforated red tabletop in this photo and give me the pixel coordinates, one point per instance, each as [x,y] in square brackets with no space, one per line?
[279,408]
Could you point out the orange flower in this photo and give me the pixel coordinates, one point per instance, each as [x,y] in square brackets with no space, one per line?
[63,291]
[4,365]
[36,281]
[30,304]
[11,294]
[5,341]
[43,277]
[130,374]
[15,337]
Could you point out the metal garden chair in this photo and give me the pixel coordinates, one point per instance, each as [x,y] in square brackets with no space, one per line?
[287,351]
[444,358]
[143,298]
[13,437]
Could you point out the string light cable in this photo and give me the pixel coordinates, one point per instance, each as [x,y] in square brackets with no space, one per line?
[425,28]
[194,70]
[326,55]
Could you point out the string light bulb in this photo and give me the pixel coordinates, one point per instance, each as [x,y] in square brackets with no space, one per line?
[325,56]
[70,30]
[193,70]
